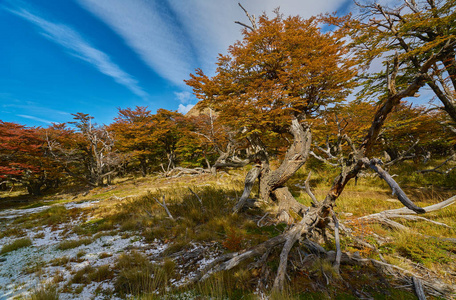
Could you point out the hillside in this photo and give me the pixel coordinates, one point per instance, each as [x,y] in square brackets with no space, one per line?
[118,241]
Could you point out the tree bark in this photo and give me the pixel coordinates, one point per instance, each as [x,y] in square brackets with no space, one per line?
[272,182]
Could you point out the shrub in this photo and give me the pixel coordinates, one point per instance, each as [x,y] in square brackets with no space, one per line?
[137,275]
[17,244]
[45,293]
[70,244]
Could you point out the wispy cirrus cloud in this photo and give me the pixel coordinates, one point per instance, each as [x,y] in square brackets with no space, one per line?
[35,119]
[173,37]
[149,28]
[31,106]
[78,47]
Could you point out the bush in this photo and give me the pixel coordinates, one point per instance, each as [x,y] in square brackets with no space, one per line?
[137,275]
[70,244]
[45,293]
[17,244]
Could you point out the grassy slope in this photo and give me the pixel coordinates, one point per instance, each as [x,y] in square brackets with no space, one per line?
[129,208]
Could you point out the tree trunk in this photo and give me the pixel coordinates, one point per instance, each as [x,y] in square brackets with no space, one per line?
[272,182]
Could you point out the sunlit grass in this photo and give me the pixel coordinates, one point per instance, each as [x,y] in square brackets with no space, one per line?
[129,208]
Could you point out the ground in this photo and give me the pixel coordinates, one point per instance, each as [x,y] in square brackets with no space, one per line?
[118,242]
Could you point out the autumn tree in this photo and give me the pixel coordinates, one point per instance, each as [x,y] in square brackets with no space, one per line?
[166,135]
[405,134]
[24,159]
[413,32]
[282,72]
[133,130]
[246,86]
[87,152]
[218,141]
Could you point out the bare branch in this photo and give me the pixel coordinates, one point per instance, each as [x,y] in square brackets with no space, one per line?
[251,19]
[199,199]
[309,191]
[164,206]
[336,264]
[374,165]
[250,178]
[418,287]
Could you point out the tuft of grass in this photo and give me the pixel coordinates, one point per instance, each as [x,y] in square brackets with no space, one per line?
[88,274]
[70,244]
[17,244]
[82,276]
[60,261]
[137,275]
[101,273]
[45,293]
[53,216]
[18,232]
[104,255]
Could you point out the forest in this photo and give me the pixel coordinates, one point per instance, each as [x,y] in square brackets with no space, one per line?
[305,170]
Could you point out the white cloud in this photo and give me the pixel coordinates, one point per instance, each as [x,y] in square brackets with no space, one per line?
[183,97]
[35,119]
[150,31]
[174,37]
[183,109]
[37,109]
[75,44]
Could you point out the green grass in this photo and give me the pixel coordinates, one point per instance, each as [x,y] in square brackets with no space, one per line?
[89,274]
[70,244]
[212,224]
[15,245]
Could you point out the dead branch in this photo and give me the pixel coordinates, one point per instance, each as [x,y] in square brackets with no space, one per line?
[185,171]
[309,191]
[403,155]
[336,264]
[418,288]
[199,199]
[435,169]
[326,161]
[292,237]
[261,219]
[165,207]
[250,178]
[251,19]
[385,217]
[374,165]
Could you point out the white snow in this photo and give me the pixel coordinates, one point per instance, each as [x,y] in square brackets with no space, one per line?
[16,281]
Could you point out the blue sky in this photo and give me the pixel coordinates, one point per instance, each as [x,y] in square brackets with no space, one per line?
[93,56]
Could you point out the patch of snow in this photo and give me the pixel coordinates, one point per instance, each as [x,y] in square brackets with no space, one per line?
[17,268]
[14,213]
[71,205]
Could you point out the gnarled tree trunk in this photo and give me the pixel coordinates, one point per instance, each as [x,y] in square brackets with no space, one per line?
[272,182]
